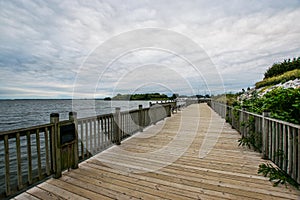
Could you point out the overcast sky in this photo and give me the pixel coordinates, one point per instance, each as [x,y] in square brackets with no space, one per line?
[65,49]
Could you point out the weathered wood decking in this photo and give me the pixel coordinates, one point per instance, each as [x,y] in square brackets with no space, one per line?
[145,166]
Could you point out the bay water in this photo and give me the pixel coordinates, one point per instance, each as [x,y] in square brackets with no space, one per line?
[15,114]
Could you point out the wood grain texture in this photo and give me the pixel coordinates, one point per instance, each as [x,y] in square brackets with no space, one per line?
[226,172]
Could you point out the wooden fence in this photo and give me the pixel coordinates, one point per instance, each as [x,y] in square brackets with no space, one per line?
[32,154]
[277,140]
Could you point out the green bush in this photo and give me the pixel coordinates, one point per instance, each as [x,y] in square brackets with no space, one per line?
[281,68]
[276,175]
[291,75]
[284,104]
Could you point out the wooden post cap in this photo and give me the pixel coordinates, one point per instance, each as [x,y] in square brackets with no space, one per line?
[54,115]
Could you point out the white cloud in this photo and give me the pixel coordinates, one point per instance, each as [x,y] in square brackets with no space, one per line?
[43,44]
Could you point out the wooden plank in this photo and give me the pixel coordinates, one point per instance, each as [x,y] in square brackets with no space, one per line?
[7,165]
[47,150]
[276,149]
[86,136]
[19,162]
[43,194]
[152,181]
[102,132]
[284,148]
[26,196]
[110,190]
[82,139]
[298,136]
[106,131]
[95,135]
[38,149]
[80,190]
[273,141]
[52,146]
[110,136]
[290,150]
[261,181]
[227,172]
[60,192]
[99,135]
[135,181]
[280,146]
[29,157]
[182,171]
[91,136]
[270,139]
[295,156]
[105,134]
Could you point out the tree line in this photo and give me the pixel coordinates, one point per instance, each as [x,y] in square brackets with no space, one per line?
[136,97]
[281,68]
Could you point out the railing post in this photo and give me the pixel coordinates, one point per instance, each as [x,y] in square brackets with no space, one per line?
[169,110]
[73,117]
[243,129]
[117,125]
[232,117]
[141,126]
[55,145]
[265,135]
[227,113]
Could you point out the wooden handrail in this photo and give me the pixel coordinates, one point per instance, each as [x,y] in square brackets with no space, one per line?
[280,140]
[92,135]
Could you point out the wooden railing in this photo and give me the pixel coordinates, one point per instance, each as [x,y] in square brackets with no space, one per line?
[27,157]
[277,140]
[32,154]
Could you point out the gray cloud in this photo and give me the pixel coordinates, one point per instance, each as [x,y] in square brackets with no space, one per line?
[43,44]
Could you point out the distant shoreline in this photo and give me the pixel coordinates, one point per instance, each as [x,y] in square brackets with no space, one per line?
[79,99]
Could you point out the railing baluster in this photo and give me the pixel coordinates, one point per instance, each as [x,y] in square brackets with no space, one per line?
[95,135]
[98,132]
[281,140]
[38,149]
[102,133]
[116,127]
[276,144]
[47,151]
[265,133]
[273,135]
[290,150]
[7,165]
[270,139]
[86,138]
[81,143]
[19,161]
[29,156]
[105,132]
[108,130]
[294,172]
[280,146]
[298,160]
[91,136]
[98,135]
[284,148]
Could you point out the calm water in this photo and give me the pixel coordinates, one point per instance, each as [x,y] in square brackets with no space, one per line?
[25,113]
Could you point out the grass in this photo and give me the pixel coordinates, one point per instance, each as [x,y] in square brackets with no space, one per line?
[228,99]
[290,75]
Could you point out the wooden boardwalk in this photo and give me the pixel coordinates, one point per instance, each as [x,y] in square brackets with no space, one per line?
[169,161]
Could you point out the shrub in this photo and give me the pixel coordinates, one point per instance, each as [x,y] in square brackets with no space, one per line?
[291,75]
[281,68]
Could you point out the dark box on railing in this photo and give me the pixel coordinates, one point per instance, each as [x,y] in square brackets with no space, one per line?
[67,133]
